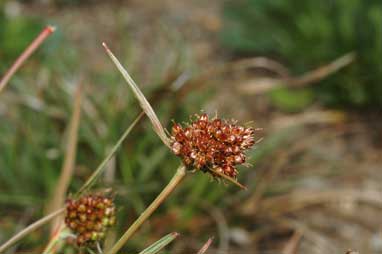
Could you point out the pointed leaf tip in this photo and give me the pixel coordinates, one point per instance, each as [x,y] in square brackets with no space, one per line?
[145,105]
[160,244]
[206,246]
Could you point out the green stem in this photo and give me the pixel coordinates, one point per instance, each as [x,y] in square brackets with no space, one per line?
[176,179]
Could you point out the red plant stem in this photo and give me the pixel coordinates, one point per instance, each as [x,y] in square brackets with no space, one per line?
[48,30]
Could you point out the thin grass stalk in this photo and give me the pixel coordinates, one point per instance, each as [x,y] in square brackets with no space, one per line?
[70,156]
[157,126]
[205,246]
[160,244]
[30,229]
[91,180]
[44,34]
[171,186]
[55,239]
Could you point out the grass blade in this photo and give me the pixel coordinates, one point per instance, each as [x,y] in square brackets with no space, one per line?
[157,126]
[165,193]
[69,161]
[160,244]
[30,229]
[91,180]
[26,54]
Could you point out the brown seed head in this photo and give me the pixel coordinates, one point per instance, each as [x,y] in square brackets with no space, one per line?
[216,144]
[86,216]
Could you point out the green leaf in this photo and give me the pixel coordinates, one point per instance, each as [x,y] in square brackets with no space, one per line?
[160,244]
[145,105]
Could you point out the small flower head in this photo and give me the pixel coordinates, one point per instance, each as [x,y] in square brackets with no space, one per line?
[216,144]
[89,217]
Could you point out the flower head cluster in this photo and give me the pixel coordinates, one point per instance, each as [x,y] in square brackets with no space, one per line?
[89,217]
[216,144]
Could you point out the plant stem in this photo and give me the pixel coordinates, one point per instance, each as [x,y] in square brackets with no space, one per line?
[58,199]
[29,229]
[91,180]
[26,54]
[176,179]
[50,248]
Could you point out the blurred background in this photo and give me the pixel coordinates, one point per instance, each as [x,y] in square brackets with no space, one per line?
[308,72]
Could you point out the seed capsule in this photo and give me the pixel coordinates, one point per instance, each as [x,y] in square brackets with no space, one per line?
[89,217]
[216,144]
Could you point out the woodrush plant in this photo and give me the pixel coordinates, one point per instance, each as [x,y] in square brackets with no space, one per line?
[204,145]
[213,146]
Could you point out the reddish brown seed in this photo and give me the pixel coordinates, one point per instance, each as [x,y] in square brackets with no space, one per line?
[176,148]
[80,240]
[72,225]
[82,208]
[217,123]
[100,205]
[231,138]
[107,201]
[201,162]
[176,128]
[229,170]
[187,161]
[88,235]
[92,217]
[180,137]
[228,150]
[239,159]
[101,214]
[98,226]
[219,169]
[203,118]
[72,214]
[193,155]
[188,133]
[89,226]
[82,217]
[218,134]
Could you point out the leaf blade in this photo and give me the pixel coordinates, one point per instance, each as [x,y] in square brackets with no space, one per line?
[145,105]
[101,167]
[160,244]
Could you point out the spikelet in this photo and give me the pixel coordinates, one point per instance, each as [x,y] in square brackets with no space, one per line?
[89,217]
[216,144]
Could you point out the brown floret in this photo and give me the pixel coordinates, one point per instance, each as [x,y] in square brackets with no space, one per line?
[217,144]
[89,217]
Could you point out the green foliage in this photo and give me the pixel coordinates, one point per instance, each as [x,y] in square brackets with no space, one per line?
[291,101]
[306,34]
[35,110]
[24,29]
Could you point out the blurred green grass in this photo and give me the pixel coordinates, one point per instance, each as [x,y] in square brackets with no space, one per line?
[36,107]
[36,110]
[303,34]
